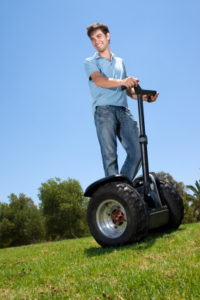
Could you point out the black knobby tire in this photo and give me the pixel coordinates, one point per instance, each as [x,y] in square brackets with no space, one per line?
[121,201]
[174,203]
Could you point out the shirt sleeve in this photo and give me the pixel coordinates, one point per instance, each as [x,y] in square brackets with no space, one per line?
[90,67]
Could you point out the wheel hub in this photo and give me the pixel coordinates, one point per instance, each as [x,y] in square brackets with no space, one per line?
[111,218]
[117,217]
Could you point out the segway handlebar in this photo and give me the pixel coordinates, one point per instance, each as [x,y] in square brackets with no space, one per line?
[140,91]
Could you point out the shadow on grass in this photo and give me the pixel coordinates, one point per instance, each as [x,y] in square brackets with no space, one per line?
[144,244]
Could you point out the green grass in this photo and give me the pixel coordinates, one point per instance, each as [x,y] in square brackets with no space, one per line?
[163,266]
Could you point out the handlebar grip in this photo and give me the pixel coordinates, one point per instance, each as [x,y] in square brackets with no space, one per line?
[139,90]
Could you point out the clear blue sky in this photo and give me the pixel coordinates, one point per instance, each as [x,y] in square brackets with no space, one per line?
[46,120]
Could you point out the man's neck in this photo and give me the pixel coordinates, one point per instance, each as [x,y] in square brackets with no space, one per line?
[106,53]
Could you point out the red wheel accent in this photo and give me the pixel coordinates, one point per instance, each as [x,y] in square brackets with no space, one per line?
[117,217]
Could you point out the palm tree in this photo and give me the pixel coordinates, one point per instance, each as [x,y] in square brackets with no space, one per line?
[195,198]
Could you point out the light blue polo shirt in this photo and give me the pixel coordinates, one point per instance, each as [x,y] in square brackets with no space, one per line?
[111,69]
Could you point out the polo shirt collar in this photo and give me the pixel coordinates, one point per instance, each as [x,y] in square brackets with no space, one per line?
[98,56]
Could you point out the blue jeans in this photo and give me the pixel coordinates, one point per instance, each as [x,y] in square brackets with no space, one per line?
[112,122]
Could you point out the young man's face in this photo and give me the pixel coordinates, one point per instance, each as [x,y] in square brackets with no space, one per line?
[99,40]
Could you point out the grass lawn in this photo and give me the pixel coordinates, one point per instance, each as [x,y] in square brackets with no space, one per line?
[163,266]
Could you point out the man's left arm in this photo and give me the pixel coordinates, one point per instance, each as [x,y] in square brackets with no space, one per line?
[131,92]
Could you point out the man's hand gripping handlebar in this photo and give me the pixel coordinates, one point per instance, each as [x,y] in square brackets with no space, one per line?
[148,95]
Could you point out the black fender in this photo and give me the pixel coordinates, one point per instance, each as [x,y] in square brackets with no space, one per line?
[114,178]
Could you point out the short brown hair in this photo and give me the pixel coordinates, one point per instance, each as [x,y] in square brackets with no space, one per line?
[93,27]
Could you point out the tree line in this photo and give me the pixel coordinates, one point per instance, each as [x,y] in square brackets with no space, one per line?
[62,212]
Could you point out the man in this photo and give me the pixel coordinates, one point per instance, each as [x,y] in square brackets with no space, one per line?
[107,74]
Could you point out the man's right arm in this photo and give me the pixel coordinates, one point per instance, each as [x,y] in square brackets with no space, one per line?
[108,83]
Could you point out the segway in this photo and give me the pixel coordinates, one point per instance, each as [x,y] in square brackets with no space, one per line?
[121,211]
